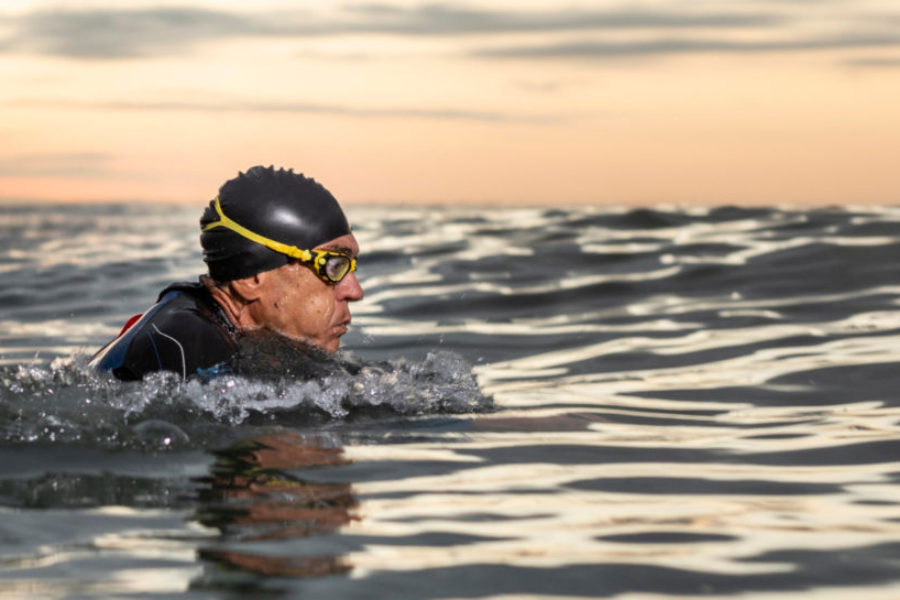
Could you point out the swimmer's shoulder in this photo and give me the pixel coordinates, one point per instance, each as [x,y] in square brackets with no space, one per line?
[184,332]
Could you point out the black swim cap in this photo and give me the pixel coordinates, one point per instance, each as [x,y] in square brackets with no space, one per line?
[281,205]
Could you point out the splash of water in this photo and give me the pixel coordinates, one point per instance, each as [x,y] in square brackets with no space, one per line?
[68,402]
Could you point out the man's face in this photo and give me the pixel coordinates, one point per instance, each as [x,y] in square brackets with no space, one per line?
[296,303]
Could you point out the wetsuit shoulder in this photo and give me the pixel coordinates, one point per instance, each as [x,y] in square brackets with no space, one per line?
[184,332]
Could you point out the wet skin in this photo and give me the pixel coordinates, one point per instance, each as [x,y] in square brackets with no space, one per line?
[293,301]
[298,304]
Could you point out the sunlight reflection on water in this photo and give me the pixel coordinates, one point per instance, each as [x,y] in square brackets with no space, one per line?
[685,403]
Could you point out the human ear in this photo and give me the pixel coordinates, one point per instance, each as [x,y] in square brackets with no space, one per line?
[249,288]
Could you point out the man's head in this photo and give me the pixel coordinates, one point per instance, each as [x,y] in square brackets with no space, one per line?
[279,246]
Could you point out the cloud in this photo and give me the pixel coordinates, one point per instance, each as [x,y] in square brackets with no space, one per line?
[545,86]
[538,87]
[112,33]
[438,19]
[670,46]
[288,107]
[874,63]
[116,33]
[84,164]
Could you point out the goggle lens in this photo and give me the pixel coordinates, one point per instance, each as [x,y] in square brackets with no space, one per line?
[333,267]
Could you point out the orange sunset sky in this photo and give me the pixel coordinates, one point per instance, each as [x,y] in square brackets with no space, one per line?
[606,102]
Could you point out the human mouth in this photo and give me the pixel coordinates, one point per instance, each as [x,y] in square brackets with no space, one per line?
[341,328]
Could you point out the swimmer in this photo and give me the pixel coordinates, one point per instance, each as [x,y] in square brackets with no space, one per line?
[281,261]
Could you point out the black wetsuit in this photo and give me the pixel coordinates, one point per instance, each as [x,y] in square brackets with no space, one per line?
[185,332]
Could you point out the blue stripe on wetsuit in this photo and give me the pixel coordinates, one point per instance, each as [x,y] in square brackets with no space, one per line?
[115,356]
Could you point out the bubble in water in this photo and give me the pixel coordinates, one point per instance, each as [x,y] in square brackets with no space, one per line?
[157,434]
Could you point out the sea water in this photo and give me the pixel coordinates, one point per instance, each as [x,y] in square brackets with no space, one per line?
[579,403]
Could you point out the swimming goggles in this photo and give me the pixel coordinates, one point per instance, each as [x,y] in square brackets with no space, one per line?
[330,265]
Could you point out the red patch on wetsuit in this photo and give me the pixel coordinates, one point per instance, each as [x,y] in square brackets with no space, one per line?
[129,323]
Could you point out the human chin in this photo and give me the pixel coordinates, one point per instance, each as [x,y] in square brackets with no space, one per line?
[331,345]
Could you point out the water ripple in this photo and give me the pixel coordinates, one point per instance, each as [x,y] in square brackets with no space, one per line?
[684,403]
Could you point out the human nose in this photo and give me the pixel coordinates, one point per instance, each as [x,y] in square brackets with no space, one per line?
[349,288]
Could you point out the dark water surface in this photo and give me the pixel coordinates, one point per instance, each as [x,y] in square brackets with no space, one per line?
[556,404]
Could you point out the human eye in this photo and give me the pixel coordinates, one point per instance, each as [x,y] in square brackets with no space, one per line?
[337,266]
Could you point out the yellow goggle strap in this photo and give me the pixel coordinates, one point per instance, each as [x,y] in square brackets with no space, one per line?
[292,251]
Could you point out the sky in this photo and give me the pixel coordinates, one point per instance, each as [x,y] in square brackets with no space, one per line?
[531,102]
